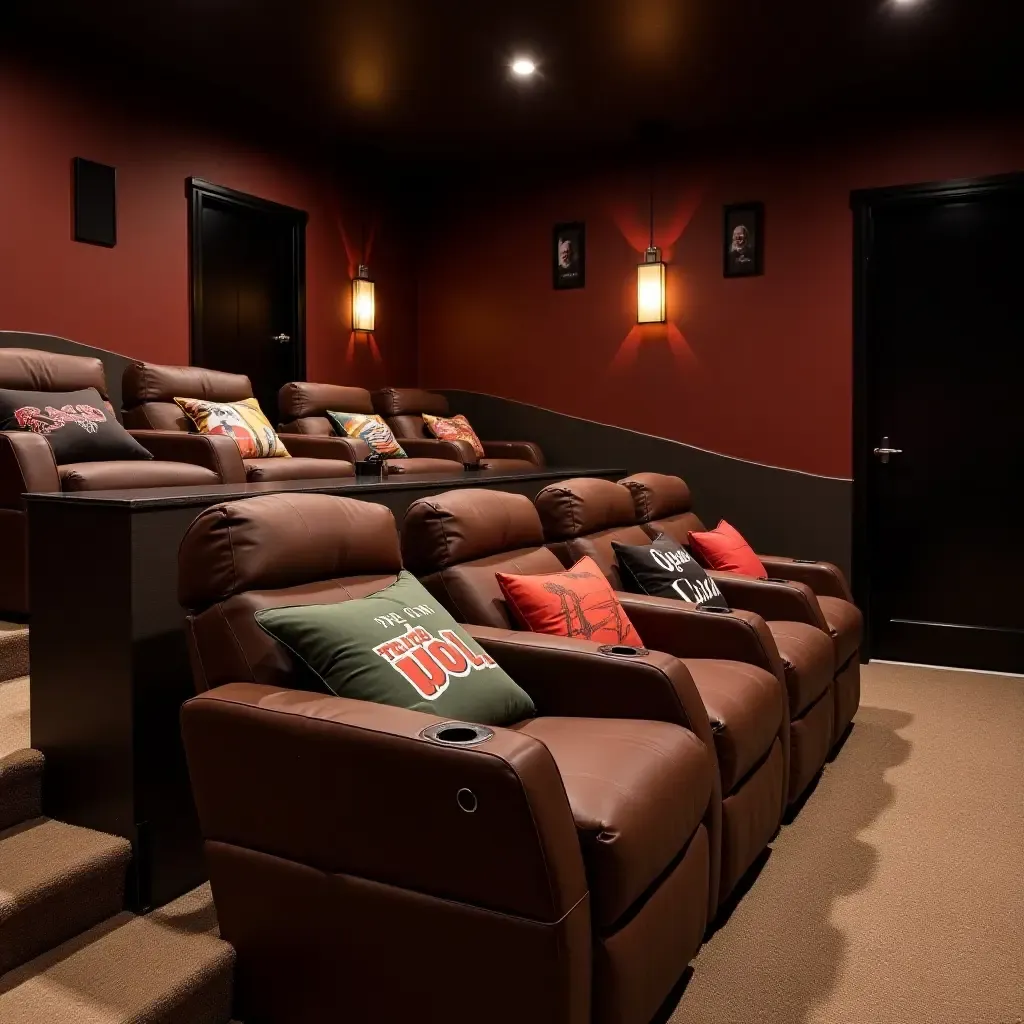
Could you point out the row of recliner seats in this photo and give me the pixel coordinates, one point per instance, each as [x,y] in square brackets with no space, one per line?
[598,840]
[186,459]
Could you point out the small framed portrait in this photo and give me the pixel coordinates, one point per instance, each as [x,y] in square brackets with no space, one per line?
[743,242]
[569,255]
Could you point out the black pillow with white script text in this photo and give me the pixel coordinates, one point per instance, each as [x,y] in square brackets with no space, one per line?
[667,569]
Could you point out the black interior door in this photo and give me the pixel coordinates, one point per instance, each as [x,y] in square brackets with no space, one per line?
[247,287]
[944,326]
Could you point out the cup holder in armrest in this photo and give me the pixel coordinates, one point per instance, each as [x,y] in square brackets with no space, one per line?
[716,610]
[624,650]
[775,579]
[806,561]
[457,734]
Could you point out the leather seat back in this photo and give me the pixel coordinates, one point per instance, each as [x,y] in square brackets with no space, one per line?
[273,551]
[304,405]
[582,517]
[149,390]
[663,505]
[29,369]
[403,409]
[456,542]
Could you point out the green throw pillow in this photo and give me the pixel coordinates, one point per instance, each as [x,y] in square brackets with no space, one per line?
[399,647]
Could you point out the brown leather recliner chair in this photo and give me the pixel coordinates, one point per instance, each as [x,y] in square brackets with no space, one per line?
[457,542]
[559,868]
[304,406]
[403,409]
[663,505]
[584,516]
[27,462]
[148,392]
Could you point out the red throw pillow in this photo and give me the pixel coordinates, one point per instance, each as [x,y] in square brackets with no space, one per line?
[724,548]
[579,602]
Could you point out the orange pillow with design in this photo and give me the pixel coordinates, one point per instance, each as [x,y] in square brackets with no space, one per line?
[454,428]
[579,602]
[724,548]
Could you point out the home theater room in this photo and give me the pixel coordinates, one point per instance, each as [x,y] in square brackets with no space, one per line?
[509,513]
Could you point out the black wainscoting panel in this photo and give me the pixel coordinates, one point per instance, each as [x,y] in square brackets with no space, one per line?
[780,511]
[114,365]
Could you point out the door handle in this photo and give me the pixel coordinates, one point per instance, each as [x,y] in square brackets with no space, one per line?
[282,339]
[884,451]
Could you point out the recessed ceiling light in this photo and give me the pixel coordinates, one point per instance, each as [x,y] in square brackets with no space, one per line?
[523,67]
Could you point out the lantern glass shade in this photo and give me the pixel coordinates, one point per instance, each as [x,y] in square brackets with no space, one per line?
[650,293]
[363,304]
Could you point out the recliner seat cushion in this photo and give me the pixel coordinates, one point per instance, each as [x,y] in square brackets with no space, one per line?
[80,426]
[276,470]
[746,702]
[399,647]
[117,476]
[638,791]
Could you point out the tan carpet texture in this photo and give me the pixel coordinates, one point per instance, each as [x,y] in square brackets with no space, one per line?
[14,724]
[897,895]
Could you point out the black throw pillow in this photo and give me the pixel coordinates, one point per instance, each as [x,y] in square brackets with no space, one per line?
[80,425]
[667,569]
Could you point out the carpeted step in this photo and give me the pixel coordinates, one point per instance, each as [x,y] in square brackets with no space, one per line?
[21,783]
[169,967]
[13,651]
[15,731]
[56,880]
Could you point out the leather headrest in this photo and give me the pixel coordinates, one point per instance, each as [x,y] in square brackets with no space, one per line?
[302,398]
[575,508]
[151,382]
[283,540]
[29,369]
[461,526]
[409,401]
[657,495]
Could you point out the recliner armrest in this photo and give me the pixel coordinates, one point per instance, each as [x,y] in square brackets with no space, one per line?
[682,630]
[314,446]
[574,678]
[824,578]
[212,451]
[26,464]
[347,786]
[514,450]
[435,448]
[790,601]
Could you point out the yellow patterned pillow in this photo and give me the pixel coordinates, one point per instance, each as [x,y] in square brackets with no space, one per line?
[456,428]
[244,421]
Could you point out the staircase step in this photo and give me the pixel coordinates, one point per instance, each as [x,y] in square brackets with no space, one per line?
[56,880]
[15,732]
[169,967]
[13,650]
[21,784]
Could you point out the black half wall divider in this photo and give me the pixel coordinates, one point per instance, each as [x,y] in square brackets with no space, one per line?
[114,365]
[780,511]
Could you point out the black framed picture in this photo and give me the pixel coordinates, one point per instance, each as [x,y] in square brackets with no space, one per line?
[569,255]
[743,240]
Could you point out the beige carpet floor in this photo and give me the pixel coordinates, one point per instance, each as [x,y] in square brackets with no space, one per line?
[897,895]
[14,723]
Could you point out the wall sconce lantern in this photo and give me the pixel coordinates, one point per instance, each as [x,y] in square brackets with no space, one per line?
[650,281]
[650,288]
[364,307]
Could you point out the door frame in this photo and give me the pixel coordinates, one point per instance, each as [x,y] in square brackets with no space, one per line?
[199,193]
[864,203]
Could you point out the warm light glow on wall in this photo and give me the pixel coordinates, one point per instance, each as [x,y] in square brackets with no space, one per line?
[364,308]
[650,289]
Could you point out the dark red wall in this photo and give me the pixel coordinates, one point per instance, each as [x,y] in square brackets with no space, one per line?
[133,299]
[759,368]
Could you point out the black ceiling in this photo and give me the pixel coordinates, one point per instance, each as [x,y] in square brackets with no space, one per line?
[428,78]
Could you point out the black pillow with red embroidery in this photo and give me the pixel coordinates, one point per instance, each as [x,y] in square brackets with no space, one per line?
[80,425]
